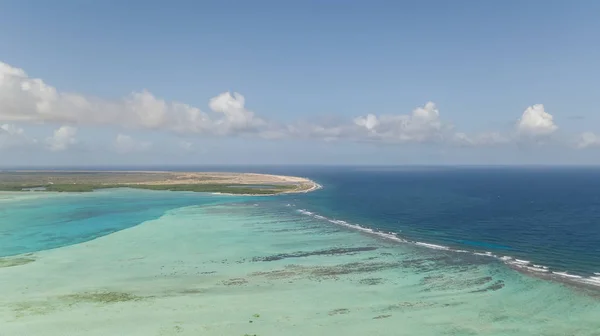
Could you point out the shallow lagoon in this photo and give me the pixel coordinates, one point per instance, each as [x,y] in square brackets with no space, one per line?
[256,266]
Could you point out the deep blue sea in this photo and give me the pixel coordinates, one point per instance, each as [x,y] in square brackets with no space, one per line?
[549,216]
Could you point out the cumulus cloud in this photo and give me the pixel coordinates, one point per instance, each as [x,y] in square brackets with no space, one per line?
[422,125]
[25,99]
[535,121]
[62,139]
[369,122]
[237,117]
[186,145]
[481,139]
[587,140]
[11,130]
[12,136]
[124,144]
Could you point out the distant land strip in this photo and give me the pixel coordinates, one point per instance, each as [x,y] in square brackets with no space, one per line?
[215,182]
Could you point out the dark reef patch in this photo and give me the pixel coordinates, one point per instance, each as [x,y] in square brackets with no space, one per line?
[10,262]
[409,304]
[341,311]
[445,282]
[235,282]
[350,268]
[371,281]
[192,291]
[102,297]
[499,284]
[277,274]
[328,252]
[320,273]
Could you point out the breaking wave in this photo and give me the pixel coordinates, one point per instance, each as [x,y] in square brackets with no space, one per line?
[517,264]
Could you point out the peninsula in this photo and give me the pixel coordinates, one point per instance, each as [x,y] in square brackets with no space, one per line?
[216,182]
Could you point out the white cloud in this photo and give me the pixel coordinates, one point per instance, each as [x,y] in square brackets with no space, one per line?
[126,144]
[587,140]
[12,136]
[30,100]
[237,117]
[535,121]
[481,139]
[62,139]
[186,145]
[25,99]
[11,129]
[422,125]
[369,122]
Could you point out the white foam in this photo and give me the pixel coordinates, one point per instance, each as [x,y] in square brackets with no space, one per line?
[567,275]
[304,212]
[433,246]
[592,281]
[514,262]
[386,235]
[537,269]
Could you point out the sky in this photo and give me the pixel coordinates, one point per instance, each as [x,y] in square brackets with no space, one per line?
[299,82]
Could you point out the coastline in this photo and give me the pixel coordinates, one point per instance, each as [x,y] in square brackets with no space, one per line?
[589,281]
[314,186]
[216,182]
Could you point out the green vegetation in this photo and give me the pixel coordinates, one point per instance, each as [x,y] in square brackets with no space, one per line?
[220,188]
[102,297]
[73,187]
[171,181]
[11,261]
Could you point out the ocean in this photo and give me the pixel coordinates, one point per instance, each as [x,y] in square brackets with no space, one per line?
[376,251]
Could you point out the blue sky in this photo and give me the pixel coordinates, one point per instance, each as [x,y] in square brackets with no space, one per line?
[331,82]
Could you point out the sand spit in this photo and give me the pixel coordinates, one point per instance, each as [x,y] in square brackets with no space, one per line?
[76,181]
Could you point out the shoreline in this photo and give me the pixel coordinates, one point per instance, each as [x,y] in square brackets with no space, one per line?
[591,282]
[253,184]
[315,186]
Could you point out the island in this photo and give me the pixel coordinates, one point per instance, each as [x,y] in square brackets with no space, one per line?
[214,182]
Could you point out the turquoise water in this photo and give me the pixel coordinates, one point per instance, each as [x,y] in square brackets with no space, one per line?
[203,264]
[38,221]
